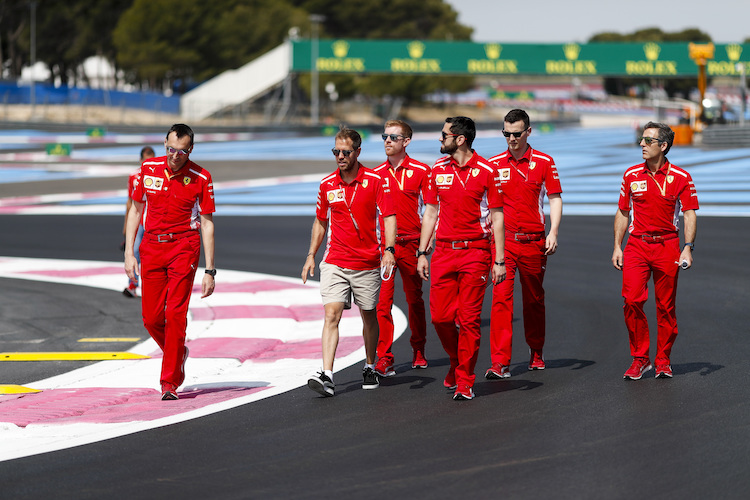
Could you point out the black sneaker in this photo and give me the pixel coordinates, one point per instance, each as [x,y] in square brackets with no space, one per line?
[322,384]
[371,380]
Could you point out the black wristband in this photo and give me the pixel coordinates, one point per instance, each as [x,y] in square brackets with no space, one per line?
[391,249]
[212,272]
[420,253]
[501,263]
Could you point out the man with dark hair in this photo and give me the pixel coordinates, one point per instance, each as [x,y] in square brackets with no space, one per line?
[350,201]
[464,194]
[408,179]
[655,191]
[174,199]
[525,176]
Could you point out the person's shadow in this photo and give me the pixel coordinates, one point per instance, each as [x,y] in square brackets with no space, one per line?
[704,368]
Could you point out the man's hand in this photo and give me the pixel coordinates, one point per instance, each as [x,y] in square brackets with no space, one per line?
[207,286]
[617,258]
[309,268]
[550,244]
[423,267]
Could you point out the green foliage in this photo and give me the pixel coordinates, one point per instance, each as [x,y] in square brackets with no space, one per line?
[673,86]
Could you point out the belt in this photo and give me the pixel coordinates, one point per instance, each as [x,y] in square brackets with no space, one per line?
[653,238]
[167,237]
[524,236]
[465,244]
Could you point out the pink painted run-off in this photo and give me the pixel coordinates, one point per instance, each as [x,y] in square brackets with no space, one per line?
[264,350]
[78,273]
[109,406]
[304,312]
[254,286]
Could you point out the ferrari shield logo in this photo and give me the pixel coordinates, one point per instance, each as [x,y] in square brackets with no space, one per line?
[186,181]
[410,173]
[670,178]
[474,172]
[532,164]
[364,183]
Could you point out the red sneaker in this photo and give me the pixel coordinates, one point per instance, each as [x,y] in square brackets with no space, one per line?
[637,369]
[663,370]
[536,362]
[463,393]
[450,379]
[419,359]
[497,371]
[168,392]
[384,367]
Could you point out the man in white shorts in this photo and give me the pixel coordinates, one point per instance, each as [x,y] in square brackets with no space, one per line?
[350,201]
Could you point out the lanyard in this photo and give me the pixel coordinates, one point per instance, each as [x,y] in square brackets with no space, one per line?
[349,208]
[400,183]
[455,172]
[663,187]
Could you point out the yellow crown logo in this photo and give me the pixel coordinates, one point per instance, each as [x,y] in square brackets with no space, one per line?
[340,48]
[416,49]
[734,51]
[571,51]
[652,51]
[493,50]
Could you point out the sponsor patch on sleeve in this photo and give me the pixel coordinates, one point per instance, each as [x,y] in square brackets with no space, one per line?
[151,182]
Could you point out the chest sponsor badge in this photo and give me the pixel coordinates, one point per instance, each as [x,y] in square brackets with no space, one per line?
[504,174]
[638,186]
[444,179]
[151,182]
[335,195]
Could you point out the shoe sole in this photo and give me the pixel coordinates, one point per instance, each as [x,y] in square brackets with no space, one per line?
[461,397]
[492,375]
[319,388]
[532,368]
[663,375]
[421,367]
[169,396]
[628,377]
[386,374]
[370,386]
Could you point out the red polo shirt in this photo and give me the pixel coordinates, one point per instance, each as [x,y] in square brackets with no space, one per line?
[174,202]
[465,195]
[352,212]
[524,184]
[654,199]
[408,183]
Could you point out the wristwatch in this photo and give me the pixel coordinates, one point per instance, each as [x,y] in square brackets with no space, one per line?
[691,245]
[212,272]
[420,253]
[391,249]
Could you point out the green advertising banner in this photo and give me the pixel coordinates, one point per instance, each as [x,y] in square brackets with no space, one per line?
[420,57]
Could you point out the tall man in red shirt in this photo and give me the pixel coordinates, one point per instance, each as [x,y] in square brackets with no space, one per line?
[174,198]
[655,191]
[464,193]
[408,179]
[350,202]
[525,176]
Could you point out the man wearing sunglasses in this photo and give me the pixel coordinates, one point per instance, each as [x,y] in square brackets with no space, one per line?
[655,191]
[174,198]
[408,180]
[350,201]
[464,194]
[526,175]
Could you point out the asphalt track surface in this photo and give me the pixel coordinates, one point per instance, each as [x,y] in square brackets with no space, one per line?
[575,430]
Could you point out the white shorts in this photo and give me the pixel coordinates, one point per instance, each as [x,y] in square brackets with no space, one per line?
[338,285]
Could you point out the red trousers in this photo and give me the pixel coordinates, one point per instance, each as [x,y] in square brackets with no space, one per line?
[458,282]
[167,275]
[528,260]
[640,260]
[406,263]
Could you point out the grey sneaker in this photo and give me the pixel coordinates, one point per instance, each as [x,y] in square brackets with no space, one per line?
[322,384]
[371,380]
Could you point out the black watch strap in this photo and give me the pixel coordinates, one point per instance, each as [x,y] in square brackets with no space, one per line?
[691,245]
[212,272]
[420,253]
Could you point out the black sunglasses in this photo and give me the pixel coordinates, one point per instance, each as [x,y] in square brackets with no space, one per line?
[346,152]
[394,137]
[514,134]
